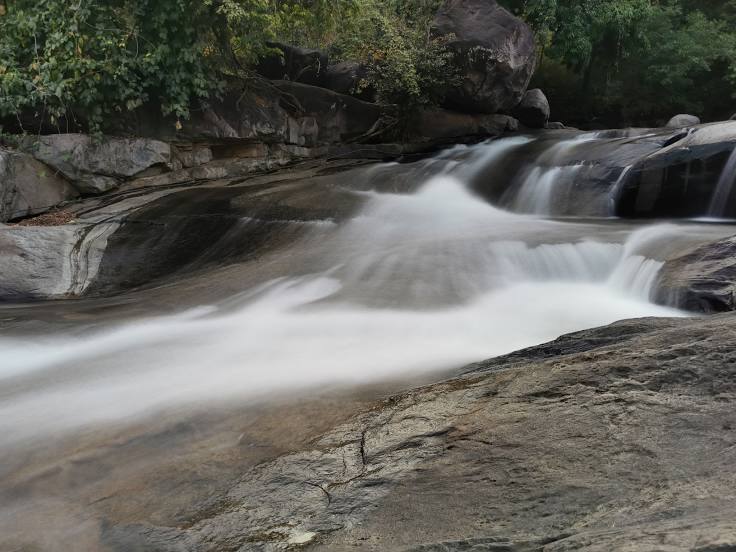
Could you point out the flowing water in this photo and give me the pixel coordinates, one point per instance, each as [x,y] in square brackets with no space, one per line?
[724,188]
[419,280]
[427,276]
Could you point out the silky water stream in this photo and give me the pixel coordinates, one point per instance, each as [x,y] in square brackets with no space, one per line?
[426,277]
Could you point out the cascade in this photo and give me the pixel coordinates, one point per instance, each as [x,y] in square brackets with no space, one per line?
[724,188]
[425,277]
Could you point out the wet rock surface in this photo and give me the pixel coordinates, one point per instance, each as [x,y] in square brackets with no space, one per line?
[614,438]
[701,280]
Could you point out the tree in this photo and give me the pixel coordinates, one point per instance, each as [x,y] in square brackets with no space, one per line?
[635,61]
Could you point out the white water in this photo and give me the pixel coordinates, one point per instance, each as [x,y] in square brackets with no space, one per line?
[724,188]
[415,283]
[543,189]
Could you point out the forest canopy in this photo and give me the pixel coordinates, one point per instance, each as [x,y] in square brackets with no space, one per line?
[618,61]
[635,61]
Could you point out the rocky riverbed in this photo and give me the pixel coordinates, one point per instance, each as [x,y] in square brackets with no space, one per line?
[619,438]
[267,353]
[615,438]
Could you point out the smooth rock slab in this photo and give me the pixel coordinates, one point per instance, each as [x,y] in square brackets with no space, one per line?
[50,262]
[616,438]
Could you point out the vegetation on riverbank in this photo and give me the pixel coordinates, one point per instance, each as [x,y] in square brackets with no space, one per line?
[615,61]
[635,61]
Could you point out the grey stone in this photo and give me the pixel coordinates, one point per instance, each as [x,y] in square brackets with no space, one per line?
[443,125]
[28,187]
[193,155]
[495,54]
[96,167]
[338,117]
[701,280]
[50,262]
[683,120]
[533,111]
[349,77]
[700,142]
[613,438]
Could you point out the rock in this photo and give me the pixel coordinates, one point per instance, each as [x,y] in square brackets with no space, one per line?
[533,111]
[349,77]
[701,280]
[733,117]
[555,126]
[441,125]
[28,187]
[495,54]
[683,120]
[639,457]
[192,155]
[96,167]
[338,117]
[256,112]
[293,63]
[38,262]
[279,112]
[701,142]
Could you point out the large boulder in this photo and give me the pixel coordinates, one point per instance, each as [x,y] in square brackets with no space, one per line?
[28,187]
[293,63]
[701,142]
[683,120]
[329,117]
[495,54]
[98,166]
[350,77]
[444,126]
[533,111]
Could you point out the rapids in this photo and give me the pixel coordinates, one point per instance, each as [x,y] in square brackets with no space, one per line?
[427,276]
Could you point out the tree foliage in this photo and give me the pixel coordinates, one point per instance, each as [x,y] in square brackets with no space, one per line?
[636,61]
[616,60]
[96,58]
[91,59]
[406,66]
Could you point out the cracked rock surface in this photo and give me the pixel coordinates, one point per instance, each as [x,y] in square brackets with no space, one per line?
[616,438]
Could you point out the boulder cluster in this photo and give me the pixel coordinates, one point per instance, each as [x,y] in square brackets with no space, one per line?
[494,54]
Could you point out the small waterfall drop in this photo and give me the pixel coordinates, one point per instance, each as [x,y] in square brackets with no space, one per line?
[724,188]
[544,188]
[427,275]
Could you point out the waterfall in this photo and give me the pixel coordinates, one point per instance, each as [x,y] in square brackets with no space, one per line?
[547,186]
[415,282]
[541,187]
[724,188]
[617,189]
[426,275]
